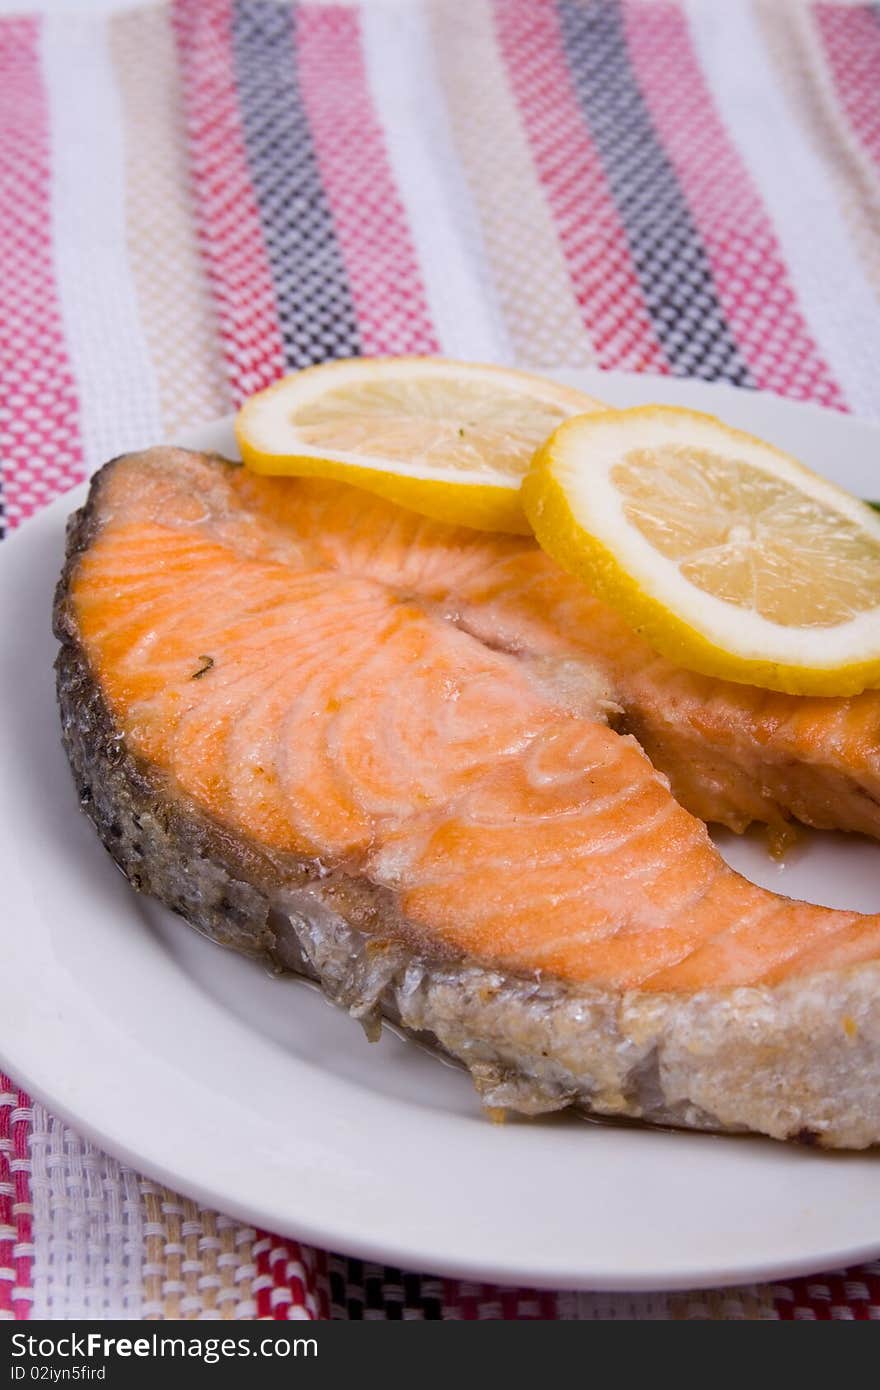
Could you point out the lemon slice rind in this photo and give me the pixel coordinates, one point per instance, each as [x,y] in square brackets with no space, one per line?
[485,497]
[578,515]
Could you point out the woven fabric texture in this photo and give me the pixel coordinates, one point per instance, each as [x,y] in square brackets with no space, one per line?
[195,198]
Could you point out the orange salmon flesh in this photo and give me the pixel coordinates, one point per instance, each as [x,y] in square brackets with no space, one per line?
[449,714]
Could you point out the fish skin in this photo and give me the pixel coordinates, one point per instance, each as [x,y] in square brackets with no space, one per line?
[577,1028]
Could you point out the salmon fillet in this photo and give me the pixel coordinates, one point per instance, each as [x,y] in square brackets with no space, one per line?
[381,751]
[734,754]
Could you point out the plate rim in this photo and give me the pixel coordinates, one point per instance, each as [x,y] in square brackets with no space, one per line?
[410,1259]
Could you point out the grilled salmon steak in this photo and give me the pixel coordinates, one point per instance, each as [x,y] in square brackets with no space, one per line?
[399,757]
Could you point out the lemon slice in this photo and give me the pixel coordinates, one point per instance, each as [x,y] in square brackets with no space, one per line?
[726,554]
[452,440]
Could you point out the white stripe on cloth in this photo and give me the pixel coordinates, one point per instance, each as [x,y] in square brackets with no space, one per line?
[445,226]
[118,394]
[608,1307]
[87,1227]
[837,302]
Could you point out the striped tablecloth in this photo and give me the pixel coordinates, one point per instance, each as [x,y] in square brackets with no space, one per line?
[194,199]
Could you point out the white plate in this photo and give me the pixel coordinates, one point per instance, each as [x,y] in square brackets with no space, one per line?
[253,1095]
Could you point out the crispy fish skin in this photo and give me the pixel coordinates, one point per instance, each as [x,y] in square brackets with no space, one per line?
[799,1059]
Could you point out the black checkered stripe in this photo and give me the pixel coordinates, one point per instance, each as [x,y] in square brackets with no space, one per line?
[668,255]
[315,307]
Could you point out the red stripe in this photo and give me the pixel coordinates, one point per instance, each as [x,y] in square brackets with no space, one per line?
[228,216]
[16,1248]
[286,1279]
[851,40]
[41,457]
[590,230]
[368,214]
[748,269]
[39,425]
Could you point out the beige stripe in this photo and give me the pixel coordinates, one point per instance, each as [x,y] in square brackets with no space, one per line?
[797,55]
[753,1304]
[543,320]
[196,1264]
[173,295]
